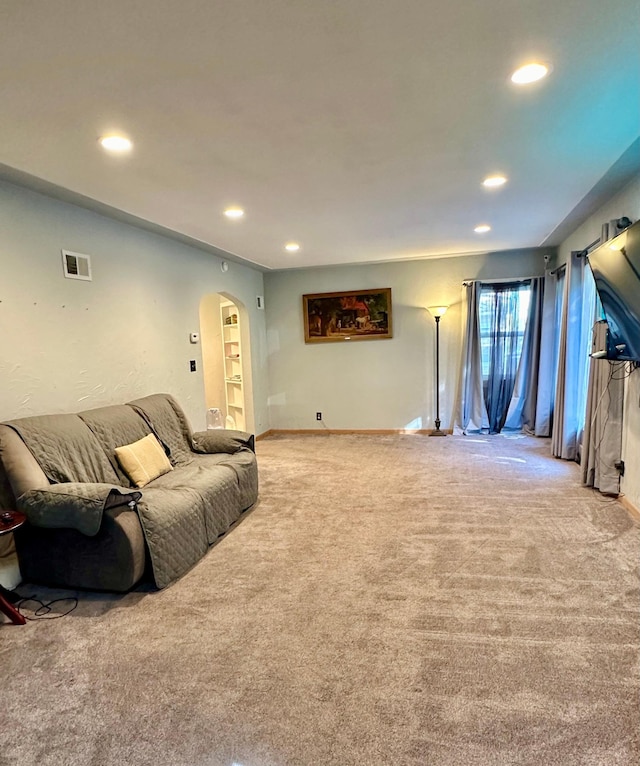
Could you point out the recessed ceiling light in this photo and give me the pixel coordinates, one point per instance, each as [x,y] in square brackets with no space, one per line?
[529,73]
[116,144]
[234,212]
[483,228]
[492,181]
[292,247]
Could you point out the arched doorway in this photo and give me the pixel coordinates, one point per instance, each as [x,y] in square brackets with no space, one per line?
[226,359]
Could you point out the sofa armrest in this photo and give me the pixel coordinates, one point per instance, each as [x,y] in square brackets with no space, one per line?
[72,505]
[221,440]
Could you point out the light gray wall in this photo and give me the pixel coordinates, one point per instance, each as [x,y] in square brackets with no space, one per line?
[212,364]
[627,202]
[375,384]
[67,345]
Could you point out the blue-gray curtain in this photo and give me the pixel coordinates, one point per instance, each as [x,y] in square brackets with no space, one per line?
[470,411]
[550,322]
[602,440]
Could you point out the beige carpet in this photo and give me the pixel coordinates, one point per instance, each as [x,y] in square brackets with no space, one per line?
[391,600]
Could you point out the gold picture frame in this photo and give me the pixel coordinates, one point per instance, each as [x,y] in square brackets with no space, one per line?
[347,316]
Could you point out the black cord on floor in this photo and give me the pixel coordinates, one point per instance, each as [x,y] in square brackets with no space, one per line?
[43,612]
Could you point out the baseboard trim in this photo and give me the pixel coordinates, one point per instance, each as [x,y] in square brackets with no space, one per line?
[629,507]
[263,435]
[338,431]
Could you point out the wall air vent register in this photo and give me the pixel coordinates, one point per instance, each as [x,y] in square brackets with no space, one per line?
[76,265]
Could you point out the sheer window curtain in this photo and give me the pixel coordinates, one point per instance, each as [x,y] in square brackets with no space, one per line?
[503,348]
[578,314]
[524,402]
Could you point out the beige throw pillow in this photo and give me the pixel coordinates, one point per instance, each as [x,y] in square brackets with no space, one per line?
[144,460]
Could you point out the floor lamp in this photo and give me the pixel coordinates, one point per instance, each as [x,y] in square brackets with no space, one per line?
[437,312]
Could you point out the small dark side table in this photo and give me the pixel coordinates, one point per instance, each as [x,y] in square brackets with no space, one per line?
[9,522]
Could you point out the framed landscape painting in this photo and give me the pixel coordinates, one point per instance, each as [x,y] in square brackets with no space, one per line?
[353,315]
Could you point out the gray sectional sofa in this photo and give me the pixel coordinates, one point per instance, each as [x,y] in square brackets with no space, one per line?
[88,526]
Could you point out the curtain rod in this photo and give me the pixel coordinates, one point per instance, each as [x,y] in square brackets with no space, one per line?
[499,281]
[589,248]
[582,253]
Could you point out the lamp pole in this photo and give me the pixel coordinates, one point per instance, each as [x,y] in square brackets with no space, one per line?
[438,312]
[438,431]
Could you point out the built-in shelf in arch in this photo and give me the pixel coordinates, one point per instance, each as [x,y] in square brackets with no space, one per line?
[232,360]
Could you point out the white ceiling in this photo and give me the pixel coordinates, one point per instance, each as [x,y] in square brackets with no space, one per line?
[361,128]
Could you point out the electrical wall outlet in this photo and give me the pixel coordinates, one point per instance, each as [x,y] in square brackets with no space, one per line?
[192,365]
[318,416]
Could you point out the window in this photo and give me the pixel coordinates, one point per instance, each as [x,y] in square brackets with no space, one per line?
[503,313]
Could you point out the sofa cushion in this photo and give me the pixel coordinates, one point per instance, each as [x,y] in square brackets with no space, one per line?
[216,484]
[144,460]
[169,423]
[115,426]
[245,468]
[65,448]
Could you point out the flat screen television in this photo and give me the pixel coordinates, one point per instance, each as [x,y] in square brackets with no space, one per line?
[616,270]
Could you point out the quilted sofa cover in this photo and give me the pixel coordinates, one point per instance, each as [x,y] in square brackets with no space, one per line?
[88,527]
